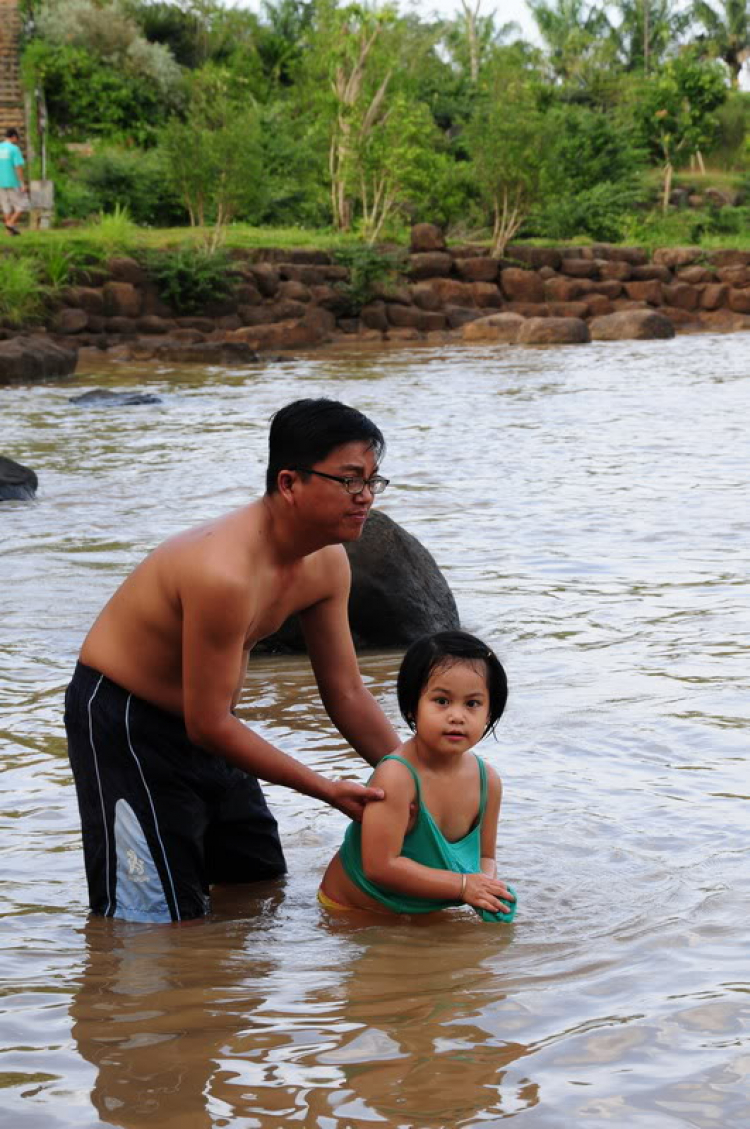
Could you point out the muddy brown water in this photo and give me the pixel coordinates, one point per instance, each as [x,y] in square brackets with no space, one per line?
[589,508]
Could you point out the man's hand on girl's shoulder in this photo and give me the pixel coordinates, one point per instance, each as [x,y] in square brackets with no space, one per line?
[352,798]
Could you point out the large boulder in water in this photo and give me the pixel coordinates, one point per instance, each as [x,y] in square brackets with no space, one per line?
[632,325]
[398,592]
[17,482]
[24,359]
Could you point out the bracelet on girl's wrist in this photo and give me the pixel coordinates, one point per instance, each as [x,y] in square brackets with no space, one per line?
[463,887]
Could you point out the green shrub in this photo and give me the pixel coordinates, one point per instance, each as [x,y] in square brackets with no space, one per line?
[21,297]
[600,212]
[74,200]
[135,180]
[729,221]
[190,278]
[370,271]
[87,96]
[114,232]
[673,229]
[55,263]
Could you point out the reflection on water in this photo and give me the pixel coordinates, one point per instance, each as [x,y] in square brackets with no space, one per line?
[589,508]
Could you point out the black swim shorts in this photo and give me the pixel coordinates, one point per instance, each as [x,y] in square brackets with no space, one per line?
[162,819]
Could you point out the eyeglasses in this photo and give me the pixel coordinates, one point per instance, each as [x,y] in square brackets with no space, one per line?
[353,484]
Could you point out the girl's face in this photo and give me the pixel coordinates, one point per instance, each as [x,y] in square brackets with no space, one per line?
[453,708]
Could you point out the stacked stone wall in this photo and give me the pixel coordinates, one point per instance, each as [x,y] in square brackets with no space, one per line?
[292,299]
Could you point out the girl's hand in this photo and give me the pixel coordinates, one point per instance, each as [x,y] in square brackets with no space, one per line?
[485,893]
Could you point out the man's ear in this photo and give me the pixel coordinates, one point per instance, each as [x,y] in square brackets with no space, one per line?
[286,482]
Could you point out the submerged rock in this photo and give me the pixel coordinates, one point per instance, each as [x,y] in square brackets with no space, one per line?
[398,592]
[17,482]
[102,396]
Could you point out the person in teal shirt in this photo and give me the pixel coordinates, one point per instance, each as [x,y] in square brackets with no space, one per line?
[12,187]
[430,844]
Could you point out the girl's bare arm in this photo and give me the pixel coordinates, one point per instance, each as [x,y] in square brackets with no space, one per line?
[383,829]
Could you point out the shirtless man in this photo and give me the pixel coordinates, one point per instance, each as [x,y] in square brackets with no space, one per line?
[165,773]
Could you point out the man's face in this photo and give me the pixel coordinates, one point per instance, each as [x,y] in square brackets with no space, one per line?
[330,501]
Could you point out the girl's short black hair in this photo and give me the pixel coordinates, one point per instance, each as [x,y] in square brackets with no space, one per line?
[445,648]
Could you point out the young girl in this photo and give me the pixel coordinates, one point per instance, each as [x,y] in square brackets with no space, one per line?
[430,843]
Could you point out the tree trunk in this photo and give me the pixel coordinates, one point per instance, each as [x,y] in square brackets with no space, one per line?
[667,187]
[470,19]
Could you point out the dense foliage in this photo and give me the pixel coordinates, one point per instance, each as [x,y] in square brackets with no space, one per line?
[366,119]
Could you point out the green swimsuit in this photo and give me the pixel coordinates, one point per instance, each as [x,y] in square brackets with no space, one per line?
[425,844]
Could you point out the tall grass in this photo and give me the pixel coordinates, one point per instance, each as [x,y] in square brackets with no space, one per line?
[21,296]
[114,232]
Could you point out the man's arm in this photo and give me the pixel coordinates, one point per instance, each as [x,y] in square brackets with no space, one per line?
[215,615]
[349,704]
[18,164]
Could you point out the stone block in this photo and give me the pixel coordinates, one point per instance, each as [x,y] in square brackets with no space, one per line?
[579,268]
[149,323]
[484,269]
[430,264]
[682,296]
[374,316]
[405,316]
[125,269]
[651,271]
[297,291]
[674,257]
[714,296]
[739,301]
[497,327]
[519,285]
[612,270]
[69,321]
[424,296]
[562,289]
[631,325]
[266,279]
[426,237]
[553,331]
[648,291]
[568,309]
[121,299]
[451,292]
[456,316]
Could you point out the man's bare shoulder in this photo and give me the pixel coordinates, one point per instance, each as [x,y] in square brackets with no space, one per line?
[328,572]
[224,544]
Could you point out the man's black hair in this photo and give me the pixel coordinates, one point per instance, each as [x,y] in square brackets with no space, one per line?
[444,649]
[11,132]
[304,432]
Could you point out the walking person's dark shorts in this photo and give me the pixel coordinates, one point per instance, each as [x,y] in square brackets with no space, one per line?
[162,819]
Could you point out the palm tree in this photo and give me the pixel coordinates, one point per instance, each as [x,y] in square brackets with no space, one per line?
[570,28]
[726,34]
[646,32]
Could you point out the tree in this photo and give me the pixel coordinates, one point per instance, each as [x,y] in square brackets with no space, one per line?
[646,32]
[726,34]
[572,30]
[351,58]
[676,110]
[396,163]
[214,155]
[502,139]
[471,35]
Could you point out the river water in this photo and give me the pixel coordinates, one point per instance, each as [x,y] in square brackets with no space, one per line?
[589,508]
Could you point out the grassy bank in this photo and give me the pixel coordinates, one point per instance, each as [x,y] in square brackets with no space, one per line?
[38,266]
